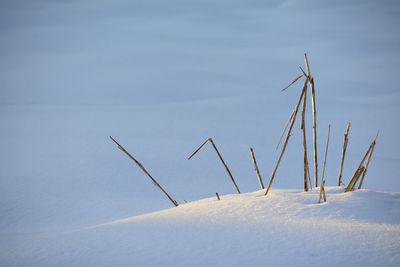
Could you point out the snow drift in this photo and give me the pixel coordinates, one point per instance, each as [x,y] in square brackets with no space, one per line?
[287,228]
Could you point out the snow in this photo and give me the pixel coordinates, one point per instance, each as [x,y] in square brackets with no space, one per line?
[162,77]
[286,228]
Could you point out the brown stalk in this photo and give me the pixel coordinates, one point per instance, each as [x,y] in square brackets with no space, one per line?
[368,160]
[311,81]
[256,166]
[355,176]
[345,141]
[309,176]
[220,157]
[302,126]
[350,186]
[322,192]
[322,187]
[284,130]
[295,80]
[143,169]
[354,179]
[287,137]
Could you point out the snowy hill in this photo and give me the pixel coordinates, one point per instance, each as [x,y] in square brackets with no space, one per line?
[287,228]
[161,77]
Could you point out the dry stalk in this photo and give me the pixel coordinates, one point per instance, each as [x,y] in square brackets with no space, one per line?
[303,128]
[368,160]
[220,157]
[322,192]
[145,171]
[354,179]
[350,186]
[308,169]
[357,174]
[256,166]
[309,176]
[345,141]
[295,80]
[322,187]
[284,130]
[311,81]
[287,137]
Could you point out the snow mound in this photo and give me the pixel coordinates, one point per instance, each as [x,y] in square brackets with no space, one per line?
[254,208]
[286,228]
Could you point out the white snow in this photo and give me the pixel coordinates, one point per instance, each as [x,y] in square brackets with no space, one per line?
[163,76]
[286,228]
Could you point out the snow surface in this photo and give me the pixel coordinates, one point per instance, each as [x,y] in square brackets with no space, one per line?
[286,228]
[163,76]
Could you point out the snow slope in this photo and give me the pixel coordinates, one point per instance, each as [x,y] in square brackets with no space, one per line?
[287,228]
[161,77]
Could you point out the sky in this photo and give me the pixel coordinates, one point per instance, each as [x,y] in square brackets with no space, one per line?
[161,77]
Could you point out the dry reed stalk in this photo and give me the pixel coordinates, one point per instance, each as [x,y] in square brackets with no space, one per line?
[354,178]
[368,160]
[345,141]
[311,81]
[304,74]
[322,192]
[284,130]
[145,171]
[309,176]
[220,157]
[295,80]
[256,166]
[322,187]
[361,171]
[353,181]
[303,128]
[287,137]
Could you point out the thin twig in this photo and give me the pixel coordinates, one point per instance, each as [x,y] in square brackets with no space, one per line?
[303,128]
[287,138]
[368,160]
[322,187]
[284,130]
[354,179]
[295,80]
[220,157]
[197,150]
[345,141]
[350,186]
[322,192]
[311,81]
[326,152]
[356,175]
[305,75]
[309,176]
[145,171]
[256,167]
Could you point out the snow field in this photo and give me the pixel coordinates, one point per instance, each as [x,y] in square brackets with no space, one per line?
[287,228]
